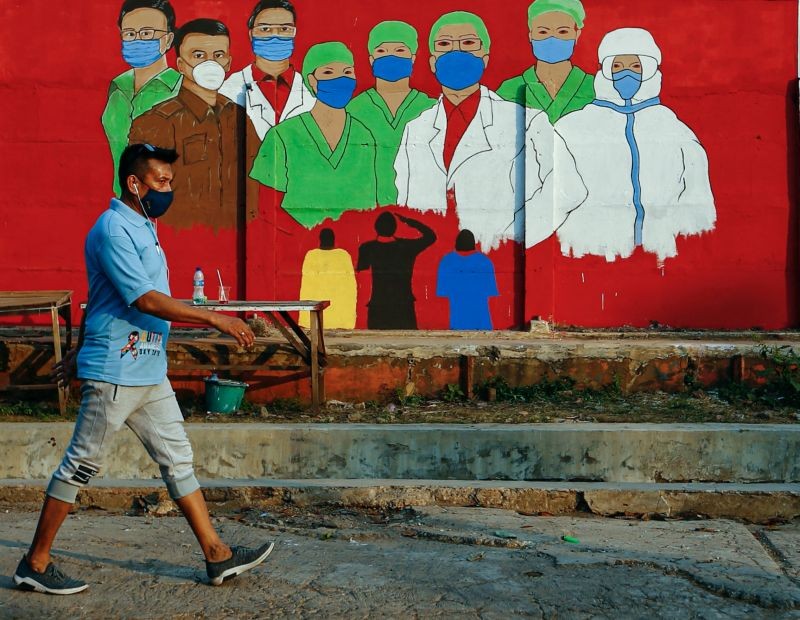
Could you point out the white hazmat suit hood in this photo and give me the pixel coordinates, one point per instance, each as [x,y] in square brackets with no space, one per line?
[622,42]
[644,171]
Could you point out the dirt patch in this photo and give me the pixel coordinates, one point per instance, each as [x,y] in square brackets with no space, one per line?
[566,407]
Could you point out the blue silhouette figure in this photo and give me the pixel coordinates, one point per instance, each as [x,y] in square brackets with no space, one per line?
[466,277]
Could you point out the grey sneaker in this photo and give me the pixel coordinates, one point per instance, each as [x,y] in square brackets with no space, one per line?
[243,559]
[51,581]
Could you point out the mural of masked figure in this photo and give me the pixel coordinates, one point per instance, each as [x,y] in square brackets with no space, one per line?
[645,171]
[391,260]
[147,30]
[270,89]
[387,108]
[553,84]
[323,160]
[328,274]
[209,132]
[466,277]
[468,144]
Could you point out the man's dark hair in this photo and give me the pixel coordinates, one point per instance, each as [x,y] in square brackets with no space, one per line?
[136,160]
[386,224]
[263,5]
[327,240]
[203,25]
[159,5]
[465,242]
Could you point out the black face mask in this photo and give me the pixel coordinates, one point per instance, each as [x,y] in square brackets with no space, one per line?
[155,203]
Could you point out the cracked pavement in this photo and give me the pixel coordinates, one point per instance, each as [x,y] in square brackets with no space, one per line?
[428,562]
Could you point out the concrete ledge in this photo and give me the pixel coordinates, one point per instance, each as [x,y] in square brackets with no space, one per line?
[648,453]
[371,365]
[755,503]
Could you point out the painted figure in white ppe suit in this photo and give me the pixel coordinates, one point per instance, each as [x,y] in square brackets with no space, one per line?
[645,171]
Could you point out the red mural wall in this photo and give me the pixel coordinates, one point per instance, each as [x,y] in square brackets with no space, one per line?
[730,74]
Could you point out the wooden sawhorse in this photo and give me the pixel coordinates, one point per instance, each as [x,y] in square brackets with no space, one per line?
[59,304]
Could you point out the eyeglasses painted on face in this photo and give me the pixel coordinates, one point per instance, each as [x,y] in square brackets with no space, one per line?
[274,30]
[144,34]
[465,44]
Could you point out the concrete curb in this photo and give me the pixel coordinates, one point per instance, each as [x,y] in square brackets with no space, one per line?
[630,453]
[752,503]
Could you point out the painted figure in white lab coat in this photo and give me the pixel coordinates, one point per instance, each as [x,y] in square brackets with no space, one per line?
[270,89]
[645,171]
[466,152]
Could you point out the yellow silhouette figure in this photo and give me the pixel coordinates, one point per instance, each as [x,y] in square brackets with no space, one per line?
[328,274]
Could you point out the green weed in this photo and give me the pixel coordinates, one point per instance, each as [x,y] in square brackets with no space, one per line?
[452,393]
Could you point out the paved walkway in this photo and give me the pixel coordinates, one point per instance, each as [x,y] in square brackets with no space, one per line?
[440,562]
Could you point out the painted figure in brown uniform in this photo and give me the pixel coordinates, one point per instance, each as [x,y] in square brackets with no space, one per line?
[216,142]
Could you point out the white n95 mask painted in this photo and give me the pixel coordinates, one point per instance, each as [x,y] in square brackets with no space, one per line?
[209,75]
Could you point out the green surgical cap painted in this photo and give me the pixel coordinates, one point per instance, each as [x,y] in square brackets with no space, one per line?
[573,8]
[393,32]
[323,54]
[461,17]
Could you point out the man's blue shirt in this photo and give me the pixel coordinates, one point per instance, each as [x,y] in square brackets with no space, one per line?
[123,261]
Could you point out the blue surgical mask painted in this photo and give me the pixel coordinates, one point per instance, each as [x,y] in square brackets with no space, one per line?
[337,92]
[140,54]
[627,83]
[392,68]
[155,203]
[459,70]
[273,48]
[553,49]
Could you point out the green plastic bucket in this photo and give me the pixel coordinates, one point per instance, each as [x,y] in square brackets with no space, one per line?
[223,395]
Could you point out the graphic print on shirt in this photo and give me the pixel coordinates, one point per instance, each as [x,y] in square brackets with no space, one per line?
[645,172]
[130,346]
[143,343]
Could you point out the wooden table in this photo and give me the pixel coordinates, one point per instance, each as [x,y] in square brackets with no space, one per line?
[58,303]
[310,347]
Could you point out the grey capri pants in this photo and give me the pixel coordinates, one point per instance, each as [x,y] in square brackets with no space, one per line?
[149,411]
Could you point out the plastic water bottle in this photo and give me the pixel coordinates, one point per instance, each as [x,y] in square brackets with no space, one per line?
[199,280]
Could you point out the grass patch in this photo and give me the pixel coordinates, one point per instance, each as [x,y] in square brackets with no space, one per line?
[37,411]
[781,387]
[560,391]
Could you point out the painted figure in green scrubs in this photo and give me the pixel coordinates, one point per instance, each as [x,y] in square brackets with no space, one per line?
[553,84]
[147,30]
[323,160]
[392,103]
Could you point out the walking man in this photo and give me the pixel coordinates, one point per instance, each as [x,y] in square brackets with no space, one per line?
[129,293]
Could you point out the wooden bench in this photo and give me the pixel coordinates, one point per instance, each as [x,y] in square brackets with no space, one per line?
[311,346]
[58,304]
